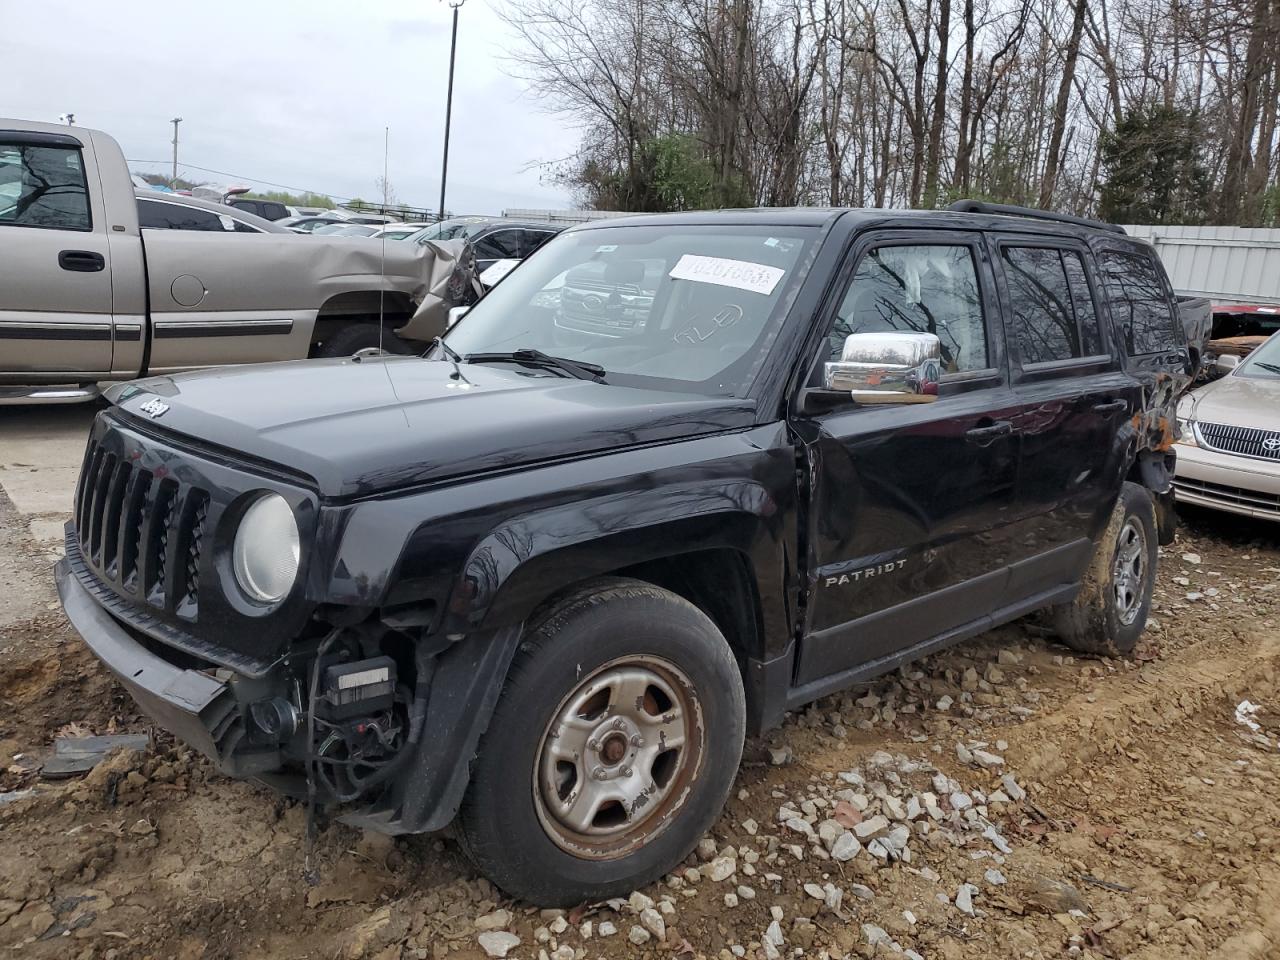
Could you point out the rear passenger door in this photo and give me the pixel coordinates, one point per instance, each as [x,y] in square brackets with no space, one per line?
[909,508]
[1072,396]
[55,264]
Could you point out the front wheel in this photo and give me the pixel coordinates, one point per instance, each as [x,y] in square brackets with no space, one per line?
[612,749]
[1108,615]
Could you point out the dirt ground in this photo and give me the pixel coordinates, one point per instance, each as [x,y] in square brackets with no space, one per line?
[1150,826]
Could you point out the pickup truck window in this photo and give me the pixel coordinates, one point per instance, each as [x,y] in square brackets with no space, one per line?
[43,186]
[920,289]
[687,307]
[1139,304]
[1053,313]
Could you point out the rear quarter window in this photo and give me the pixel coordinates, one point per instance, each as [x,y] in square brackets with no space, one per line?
[1140,309]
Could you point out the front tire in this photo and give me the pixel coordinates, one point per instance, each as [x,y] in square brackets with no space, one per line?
[1109,613]
[612,749]
[351,339]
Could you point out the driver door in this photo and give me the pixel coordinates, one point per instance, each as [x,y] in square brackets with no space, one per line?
[910,505]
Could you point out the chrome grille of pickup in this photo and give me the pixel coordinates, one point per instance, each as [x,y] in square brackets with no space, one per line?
[141,533]
[1246,441]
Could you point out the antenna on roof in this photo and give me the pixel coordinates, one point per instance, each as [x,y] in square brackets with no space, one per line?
[382,275]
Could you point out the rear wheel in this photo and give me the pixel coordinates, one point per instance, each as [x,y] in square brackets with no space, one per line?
[348,340]
[1108,615]
[612,749]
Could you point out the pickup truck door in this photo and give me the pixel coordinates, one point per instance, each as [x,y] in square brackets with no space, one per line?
[222,297]
[1072,401]
[908,532]
[55,264]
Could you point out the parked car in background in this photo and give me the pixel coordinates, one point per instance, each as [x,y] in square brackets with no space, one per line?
[345,230]
[492,238]
[308,224]
[266,209]
[1229,451]
[399,231]
[1238,329]
[101,282]
[168,211]
[545,580]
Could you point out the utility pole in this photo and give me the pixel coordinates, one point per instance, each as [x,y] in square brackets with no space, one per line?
[448,103]
[175,121]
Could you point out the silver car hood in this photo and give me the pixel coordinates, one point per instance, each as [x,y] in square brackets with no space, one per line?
[1240,402]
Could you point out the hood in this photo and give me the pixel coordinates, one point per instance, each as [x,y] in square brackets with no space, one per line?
[361,426]
[1239,402]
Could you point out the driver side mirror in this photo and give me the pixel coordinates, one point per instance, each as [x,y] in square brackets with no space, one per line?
[887,368]
[1226,363]
[456,314]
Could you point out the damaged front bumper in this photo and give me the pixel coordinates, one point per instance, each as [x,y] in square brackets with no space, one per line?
[197,706]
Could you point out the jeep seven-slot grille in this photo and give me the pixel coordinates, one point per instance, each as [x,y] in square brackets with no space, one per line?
[140,532]
[1248,441]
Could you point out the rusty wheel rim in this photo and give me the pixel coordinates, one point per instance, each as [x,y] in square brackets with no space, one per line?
[617,758]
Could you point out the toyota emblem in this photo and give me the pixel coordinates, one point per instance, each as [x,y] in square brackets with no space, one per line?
[1271,444]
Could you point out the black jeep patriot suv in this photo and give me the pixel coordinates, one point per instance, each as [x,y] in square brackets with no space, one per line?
[544,580]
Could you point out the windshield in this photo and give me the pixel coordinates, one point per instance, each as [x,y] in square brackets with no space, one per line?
[683,307]
[1264,362]
[458,227]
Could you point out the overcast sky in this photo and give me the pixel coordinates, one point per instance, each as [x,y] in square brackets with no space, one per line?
[294,92]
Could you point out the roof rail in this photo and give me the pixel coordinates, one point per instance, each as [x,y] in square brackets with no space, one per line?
[981,206]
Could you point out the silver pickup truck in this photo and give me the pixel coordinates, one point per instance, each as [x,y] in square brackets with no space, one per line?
[87,294]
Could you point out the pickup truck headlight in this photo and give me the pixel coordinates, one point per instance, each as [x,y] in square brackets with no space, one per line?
[266,549]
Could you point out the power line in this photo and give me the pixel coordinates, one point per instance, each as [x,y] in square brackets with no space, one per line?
[238,176]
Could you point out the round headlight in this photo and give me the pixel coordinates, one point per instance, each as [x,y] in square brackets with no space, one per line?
[266,550]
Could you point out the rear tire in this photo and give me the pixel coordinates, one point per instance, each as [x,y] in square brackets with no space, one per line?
[348,340]
[1108,615]
[612,749]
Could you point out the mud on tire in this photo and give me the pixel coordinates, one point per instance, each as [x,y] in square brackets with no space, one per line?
[1108,615]
[612,749]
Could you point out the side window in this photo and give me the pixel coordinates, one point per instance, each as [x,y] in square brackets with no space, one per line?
[920,289]
[1053,312]
[1139,306]
[499,245]
[158,215]
[531,240]
[43,187]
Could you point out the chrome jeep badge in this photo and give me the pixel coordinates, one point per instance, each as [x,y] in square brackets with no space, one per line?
[154,408]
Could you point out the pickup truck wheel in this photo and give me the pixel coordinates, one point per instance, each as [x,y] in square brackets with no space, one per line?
[1108,615]
[346,341]
[612,748]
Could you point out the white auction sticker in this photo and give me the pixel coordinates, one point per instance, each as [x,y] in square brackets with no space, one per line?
[742,274]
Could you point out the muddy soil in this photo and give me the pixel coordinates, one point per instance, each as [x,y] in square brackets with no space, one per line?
[1150,825]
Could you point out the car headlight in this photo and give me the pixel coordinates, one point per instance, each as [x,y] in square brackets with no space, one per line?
[266,549]
[1186,425]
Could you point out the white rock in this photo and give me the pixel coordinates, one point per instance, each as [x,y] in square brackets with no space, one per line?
[878,850]
[963,754]
[862,892]
[800,825]
[1191,558]
[751,827]
[870,827]
[559,925]
[639,935]
[876,935]
[846,847]
[833,898]
[895,840]
[721,869]
[780,756]
[895,808]
[815,891]
[652,921]
[730,900]
[944,703]
[639,902]
[913,807]
[587,929]
[498,943]
[964,898]
[706,849]
[960,801]
[493,921]
[746,893]
[1015,792]
[987,760]
[607,929]
[994,877]
[773,934]
[997,841]
[563,952]
[829,832]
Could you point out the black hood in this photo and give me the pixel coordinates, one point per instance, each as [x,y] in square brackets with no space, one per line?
[358,427]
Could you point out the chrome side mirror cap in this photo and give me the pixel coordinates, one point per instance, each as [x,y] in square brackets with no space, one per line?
[456,314]
[887,368]
[1226,363]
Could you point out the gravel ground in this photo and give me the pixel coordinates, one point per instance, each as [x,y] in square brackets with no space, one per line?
[1003,799]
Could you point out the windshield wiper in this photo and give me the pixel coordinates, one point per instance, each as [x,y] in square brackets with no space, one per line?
[1274,368]
[447,350]
[536,358]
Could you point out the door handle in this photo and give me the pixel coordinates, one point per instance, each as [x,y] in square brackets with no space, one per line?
[82,261]
[1111,406]
[984,435]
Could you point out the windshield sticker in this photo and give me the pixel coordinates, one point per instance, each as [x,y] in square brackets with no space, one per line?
[607,248]
[753,277]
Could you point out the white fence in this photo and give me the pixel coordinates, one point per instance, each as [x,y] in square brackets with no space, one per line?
[1225,264]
